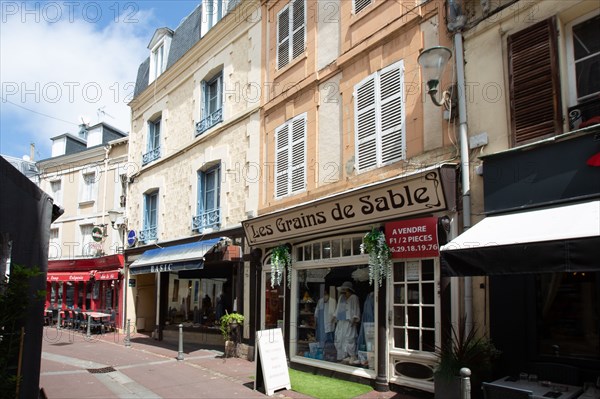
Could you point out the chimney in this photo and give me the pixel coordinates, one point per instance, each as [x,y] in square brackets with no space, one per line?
[32,152]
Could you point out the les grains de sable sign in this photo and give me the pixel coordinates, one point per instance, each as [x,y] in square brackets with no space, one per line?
[414,238]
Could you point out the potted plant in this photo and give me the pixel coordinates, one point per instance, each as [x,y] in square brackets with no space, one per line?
[380,256]
[230,322]
[463,348]
[280,258]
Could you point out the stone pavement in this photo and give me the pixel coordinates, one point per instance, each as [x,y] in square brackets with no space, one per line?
[74,366]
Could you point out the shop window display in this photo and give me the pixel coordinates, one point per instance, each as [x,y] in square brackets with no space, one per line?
[335,315]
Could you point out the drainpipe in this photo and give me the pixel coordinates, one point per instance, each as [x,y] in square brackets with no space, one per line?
[107,149]
[456,21]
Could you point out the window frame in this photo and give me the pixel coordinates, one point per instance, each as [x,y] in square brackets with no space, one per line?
[150,222]
[289,148]
[57,195]
[158,60]
[153,139]
[290,34]
[201,197]
[88,190]
[86,239]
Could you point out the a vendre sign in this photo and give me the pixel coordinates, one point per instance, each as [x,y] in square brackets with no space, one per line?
[413,238]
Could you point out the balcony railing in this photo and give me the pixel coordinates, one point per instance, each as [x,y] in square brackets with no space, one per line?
[209,121]
[148,234]
[207,220]
[151,155]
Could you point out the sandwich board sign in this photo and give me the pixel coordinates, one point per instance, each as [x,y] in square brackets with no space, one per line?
[271,363]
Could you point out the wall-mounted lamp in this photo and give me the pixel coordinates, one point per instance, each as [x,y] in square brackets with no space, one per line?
[433,61]
[116,219]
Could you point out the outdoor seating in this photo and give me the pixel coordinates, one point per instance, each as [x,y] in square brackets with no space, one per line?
[54,319]
[556,372]
[491,391]
[66,319]
[112,322]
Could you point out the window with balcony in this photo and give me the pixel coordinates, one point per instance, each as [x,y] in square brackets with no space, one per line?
[291,32]
[290,157]
[379,118]
[149,232]
[212,103]
[208,213]
[88,187]
[153,144]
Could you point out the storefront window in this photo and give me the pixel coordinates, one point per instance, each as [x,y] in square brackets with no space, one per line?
[80,294]
[201,301]
[414,305]
[567,308]
[70,294]
[274,304]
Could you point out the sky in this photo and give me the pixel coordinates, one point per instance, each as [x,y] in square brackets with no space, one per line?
[64,62]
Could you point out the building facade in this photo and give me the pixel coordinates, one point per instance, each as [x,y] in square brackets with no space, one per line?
[350,144]
[86,177]
[194,143]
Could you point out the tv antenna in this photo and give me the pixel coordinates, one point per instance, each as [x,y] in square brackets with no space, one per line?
[100,111]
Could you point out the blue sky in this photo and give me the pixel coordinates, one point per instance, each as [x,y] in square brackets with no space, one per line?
[64,62]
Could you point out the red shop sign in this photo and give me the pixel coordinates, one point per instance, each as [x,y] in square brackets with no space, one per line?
[414,238]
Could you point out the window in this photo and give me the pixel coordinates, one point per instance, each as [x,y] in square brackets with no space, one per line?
[360,5]
[413,298]
[583,52]
[158,61]
[290,157]
[149,232]
[214,10]
[54,244]
[153,147]
[88,187]
[56,189]
[208,207]
[86,239]
[379,118]
[212,103]
[291,25]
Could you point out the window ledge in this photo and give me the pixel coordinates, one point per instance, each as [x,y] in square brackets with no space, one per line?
[297,60]
[86,203]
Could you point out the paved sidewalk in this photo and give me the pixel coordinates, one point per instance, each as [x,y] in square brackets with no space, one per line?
[74,366]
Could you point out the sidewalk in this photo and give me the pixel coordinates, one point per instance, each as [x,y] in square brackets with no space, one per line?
[74,366]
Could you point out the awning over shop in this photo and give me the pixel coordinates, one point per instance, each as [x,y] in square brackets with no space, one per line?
[558,239]
[176,258]
[68,276]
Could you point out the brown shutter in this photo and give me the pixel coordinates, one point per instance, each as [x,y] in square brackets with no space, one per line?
[535,105]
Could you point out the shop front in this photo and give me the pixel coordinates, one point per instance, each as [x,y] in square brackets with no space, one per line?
[192,284]
[86,284]
[333,316]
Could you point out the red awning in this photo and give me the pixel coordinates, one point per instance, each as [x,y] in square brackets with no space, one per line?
[107,275]
[66,276]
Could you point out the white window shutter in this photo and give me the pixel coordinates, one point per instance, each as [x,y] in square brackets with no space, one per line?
[391,86]
[283,37]
[282,161]
[366,123]
[298,151]
[298,28]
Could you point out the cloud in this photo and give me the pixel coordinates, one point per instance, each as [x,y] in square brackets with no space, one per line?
[67,66]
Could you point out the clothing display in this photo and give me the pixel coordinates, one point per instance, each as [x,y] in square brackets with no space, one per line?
[368,316]
[347,315]
[324,314]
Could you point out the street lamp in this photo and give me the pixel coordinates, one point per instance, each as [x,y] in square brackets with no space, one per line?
[115,218]
[433,61]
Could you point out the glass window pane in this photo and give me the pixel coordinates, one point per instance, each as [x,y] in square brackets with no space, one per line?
[427,270]
[588,76]
[399,294]
[317,250]
[335,249]
[346,247]
[399,271]
[428,341]
[413,316]
[356,241]
[307,252]
[413,339]
[413,293]
[326,249]
[399,334]
[399,315]
[428,316]
[299,253]
[428,293]
[586,40]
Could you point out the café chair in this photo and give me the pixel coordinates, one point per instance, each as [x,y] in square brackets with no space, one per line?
[491,391]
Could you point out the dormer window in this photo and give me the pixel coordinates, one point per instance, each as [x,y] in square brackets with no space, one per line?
[159,52]
[213,11]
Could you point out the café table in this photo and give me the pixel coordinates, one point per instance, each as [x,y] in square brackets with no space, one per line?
[94,315]
[541,389]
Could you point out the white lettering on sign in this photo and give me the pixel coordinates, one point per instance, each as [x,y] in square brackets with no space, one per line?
[165,267]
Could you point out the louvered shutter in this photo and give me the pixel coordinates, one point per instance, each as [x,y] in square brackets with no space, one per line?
[298,151]
[366,123]
[391,113]
[536,110]
[298,28]
[283,38]
[282,160]
[359,5]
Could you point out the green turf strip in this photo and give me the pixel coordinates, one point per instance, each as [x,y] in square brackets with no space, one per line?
[321,387]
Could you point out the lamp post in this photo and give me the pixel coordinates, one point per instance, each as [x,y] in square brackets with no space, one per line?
[116,218]
[433,61]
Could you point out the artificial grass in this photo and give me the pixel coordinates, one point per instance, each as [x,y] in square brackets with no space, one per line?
[321,387]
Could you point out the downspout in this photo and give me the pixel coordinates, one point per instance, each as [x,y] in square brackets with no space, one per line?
[456,22]
[107,149]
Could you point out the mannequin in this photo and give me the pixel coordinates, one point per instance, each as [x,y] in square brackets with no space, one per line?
[324,314]
[347,317]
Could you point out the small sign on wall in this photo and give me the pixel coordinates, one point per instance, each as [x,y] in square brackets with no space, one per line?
[131,282]
[413,238]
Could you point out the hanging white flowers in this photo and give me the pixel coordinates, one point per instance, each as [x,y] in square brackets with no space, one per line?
[280,258]
[380,262]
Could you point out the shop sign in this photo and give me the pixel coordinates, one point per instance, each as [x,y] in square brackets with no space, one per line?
[395,198]
[271,361]
[97,234]
[131,282]
[413,238]
[164,267]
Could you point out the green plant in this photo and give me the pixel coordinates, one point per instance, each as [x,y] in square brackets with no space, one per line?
[280,258]
[380,256]
[227,320]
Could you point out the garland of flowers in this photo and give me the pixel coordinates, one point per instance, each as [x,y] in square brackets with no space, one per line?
[380,262]
[280,258]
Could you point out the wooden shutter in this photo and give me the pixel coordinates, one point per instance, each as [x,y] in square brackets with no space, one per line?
[298,28]
[282,161]
[536,110]
[283,38]
[298,151]
[366,123]
[392,113]
[359,5]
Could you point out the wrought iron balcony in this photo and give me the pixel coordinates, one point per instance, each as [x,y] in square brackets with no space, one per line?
[207,220]
[150,156]
[209,121]
[148,234]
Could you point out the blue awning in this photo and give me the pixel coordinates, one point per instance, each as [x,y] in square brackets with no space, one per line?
[172,259]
